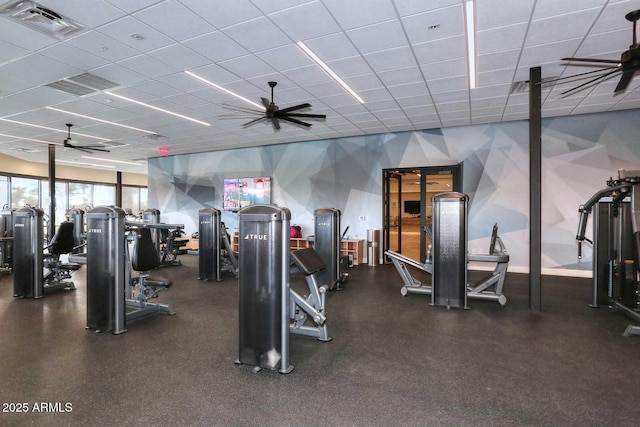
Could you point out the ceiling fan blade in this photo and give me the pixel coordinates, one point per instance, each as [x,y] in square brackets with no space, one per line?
[557,79]
[298,122]
[605,61]
[254,121]
[239,108]
[583,85]
[627,76]
[295,107]
[265,102]
[81,149]
[102,150]
[309,116]
[275,123]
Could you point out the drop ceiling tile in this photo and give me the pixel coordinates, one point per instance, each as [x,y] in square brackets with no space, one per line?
[320,90]
[441,50]
[454,96]
[493,13]
[449,22]
[247,66]
[147,66]
[545,31]
[352,14]
[307,75]
[391,59]
[156,89]
[295,22]
[375,95]
[387,115]
[382,105]
[179,57]
[372,38]
[410,7]
[501,39]
[100,45]
[9,51]
[452,107]
[420,111]
[119,74]
[443,69]
[285,57]
[609,45]
[131,6]
[350,67]
[494,78]
[414,101]
[364,82]
[547,8]
[169,17]
[270,35]
[216,47]
[448,84]
[404,91]
[223,13]
[612,18]
[497,61]
[400,76]
[332,47]
[122,29]
[491,91]
[339,100]
[64,52]
[537,55]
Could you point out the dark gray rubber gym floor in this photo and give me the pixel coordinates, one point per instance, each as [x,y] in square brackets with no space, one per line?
[393,361]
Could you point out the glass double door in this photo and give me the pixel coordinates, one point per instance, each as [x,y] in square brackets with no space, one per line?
[407,206]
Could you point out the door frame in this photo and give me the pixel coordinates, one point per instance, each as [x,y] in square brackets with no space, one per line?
[389,173]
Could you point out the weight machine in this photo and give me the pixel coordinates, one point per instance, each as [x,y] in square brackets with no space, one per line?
[115,295]
[31,260]
[449,263]
[215,254]
[616,245]
[6,239]
[269,310]
[165,237]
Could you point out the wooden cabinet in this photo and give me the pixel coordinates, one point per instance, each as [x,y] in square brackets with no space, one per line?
[296,243]
[347,247]
[354,248]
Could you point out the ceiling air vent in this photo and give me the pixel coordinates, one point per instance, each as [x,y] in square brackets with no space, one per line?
[82,84]
[40,18]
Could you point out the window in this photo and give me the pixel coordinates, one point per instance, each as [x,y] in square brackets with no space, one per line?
[80,195]
[134,199]
[104,195]
[24,191]
[4,191]
[61,199]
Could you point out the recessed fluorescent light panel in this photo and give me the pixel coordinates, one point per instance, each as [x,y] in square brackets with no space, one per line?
[111,160]
[470,26]
[159,109]
[54,129]
[29,139]
[76,163]
[221,89]
[97,120]
[329,71]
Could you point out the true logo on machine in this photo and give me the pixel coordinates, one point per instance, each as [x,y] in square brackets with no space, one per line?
[255,237]
[94,230]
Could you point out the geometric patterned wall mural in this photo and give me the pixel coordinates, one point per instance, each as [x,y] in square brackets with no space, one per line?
[579,154]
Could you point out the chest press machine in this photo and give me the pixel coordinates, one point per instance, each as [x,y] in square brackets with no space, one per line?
[616,245]
[451,258]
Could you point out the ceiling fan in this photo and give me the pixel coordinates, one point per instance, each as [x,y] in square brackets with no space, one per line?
[85,148]
[628,63]
[274,114]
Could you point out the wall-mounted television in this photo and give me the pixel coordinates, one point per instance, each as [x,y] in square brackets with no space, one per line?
[242,192]
[412,207]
